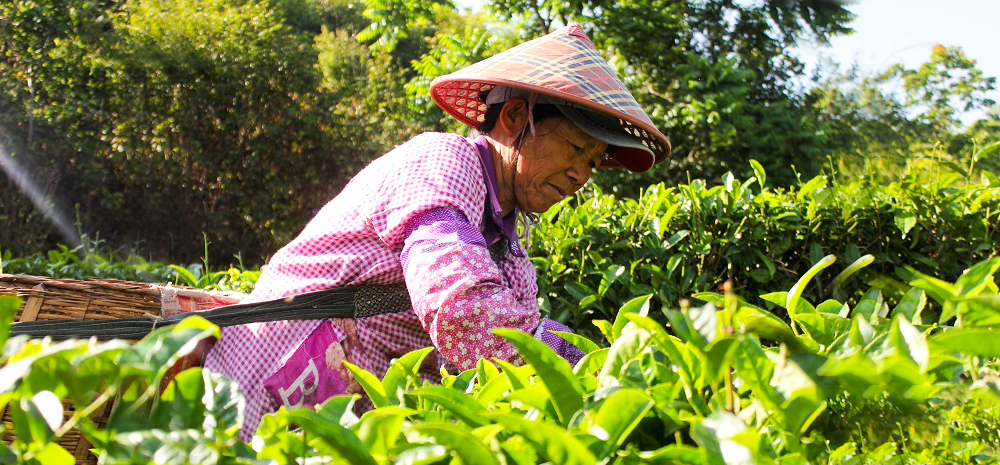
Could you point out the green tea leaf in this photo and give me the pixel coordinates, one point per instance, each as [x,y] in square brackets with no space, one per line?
[610,276]
[585,345]
[976,278]
[606,329]
[493,390]
[53,454]
[781,299]
[758,172]
[592,362]
[553,370]
[422,455]
[401,372]
[457,438]
[340,410]
[803,400]
[485,371]
[8,308]
[674,239]
[156,353]
[638,305]
[981,310]
[379,428]
[632,342]
[940,291]
[981,342]
[345,442]
[904,221]
[617,416]
[861,332]
[911,305]
[673,454]
[823,328]
[551,442]
[756,320]
[516,377]
[795,293]
[856,373]
[369,383]
[458,404]
[909,341]
[718,357]
[180,405]
[672,347]
[705,322]
[853,268]
[833,307]
[716,434]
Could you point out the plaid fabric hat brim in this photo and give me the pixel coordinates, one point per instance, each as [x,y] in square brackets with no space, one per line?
[563,65]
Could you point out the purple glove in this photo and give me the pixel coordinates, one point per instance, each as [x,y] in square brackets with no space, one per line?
[561,346]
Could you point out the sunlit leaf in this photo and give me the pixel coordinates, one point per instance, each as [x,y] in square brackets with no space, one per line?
[341,439]
[458,404]
[402,371]
[632,342]
[8,308]
[758,172]
[585,345]
[981,342]
[379,429]
[369,383]
[716,434]
[705,322]
[617,416]
[911,305]
[638,305]
[610,276]
[551,442]
[554,371]
[795,293]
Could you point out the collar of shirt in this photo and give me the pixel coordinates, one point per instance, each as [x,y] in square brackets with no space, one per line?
[495,225]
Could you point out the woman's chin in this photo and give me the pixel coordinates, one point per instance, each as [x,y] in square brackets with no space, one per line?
[538,207]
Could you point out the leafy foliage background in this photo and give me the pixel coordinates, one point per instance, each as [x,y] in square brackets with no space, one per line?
[146,124]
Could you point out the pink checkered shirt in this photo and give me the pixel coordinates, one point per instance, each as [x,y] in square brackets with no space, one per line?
[459,294]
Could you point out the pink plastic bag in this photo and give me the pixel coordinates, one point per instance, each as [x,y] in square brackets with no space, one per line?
[313,373]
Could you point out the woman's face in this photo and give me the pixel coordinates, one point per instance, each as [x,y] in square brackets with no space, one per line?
[554,163]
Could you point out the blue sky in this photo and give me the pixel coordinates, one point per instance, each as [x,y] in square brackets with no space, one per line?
[903,31]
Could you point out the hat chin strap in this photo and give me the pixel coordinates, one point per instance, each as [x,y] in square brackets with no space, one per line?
[526,218]
[531,107]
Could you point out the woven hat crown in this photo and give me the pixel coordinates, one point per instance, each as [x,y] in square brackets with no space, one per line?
[563,64]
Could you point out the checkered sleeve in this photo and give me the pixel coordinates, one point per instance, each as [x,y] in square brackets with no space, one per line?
[458,292]
[431,171]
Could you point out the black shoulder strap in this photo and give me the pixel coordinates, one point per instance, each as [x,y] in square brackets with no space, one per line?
[338,302]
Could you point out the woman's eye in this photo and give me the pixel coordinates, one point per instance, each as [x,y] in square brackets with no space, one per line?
[593,164]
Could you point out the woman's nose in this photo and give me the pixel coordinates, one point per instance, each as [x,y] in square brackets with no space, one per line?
[579,173]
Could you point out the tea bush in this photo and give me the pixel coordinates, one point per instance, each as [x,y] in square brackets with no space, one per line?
[594,250]
[729,383]
[90,262]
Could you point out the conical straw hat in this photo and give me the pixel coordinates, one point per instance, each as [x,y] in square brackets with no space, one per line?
[564,65]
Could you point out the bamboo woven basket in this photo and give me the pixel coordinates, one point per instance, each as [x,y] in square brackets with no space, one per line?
[96,299]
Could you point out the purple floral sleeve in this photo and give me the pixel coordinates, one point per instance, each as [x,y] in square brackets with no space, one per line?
[458,291]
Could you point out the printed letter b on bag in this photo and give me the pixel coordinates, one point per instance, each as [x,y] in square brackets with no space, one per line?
[305,377]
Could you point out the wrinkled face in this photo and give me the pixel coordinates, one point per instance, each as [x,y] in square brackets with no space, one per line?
[555,162]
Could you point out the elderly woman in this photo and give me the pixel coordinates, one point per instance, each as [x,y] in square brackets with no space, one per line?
[426,237]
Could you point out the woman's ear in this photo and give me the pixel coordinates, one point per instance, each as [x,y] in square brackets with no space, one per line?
[513,116]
